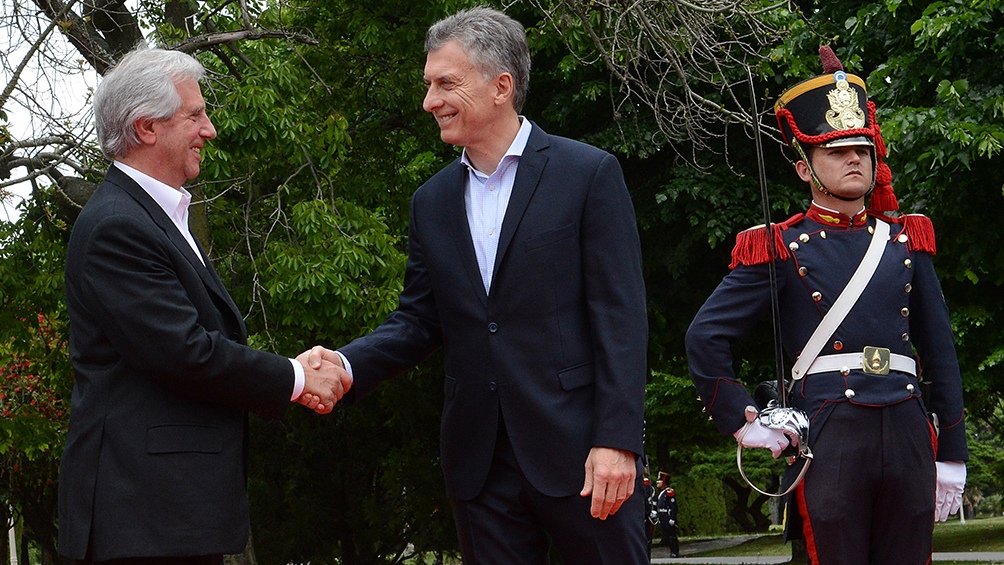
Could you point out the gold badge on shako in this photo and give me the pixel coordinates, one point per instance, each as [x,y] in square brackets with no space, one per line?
[845,110]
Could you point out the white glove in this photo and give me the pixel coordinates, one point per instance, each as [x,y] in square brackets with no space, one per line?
[951,482]
[759,435]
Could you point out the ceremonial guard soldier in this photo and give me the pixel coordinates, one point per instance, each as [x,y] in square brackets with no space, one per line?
[667,510]
[866,329]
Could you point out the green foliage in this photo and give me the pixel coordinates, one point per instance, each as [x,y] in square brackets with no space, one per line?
[355,486]
[32,415]
[336,270]
[669,400]
[702,501]
[35,376]
[983,495]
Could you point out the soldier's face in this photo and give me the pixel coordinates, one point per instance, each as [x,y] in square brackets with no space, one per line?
[844,171]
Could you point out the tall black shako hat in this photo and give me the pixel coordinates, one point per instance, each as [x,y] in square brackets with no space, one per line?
[833,110]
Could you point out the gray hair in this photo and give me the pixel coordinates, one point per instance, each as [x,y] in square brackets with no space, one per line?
[141,85]
[495,42]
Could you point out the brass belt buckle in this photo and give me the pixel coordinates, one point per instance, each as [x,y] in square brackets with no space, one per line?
[876,360]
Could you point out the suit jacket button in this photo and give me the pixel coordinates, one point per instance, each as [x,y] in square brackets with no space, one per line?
[493,327]
[493,386]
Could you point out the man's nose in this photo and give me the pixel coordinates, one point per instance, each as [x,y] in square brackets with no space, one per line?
[431,101]
[208,129]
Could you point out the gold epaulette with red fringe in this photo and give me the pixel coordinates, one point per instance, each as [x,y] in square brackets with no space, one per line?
[752,246]
[918,228]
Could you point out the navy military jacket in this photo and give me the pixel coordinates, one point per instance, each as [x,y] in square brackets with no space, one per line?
[901,308]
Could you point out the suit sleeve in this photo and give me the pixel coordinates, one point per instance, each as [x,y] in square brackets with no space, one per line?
[409,335]
[615,297]
[135,293]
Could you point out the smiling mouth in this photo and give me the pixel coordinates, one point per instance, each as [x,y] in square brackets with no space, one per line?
[442,119]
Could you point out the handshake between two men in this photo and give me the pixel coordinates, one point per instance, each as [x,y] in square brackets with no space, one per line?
[325,381]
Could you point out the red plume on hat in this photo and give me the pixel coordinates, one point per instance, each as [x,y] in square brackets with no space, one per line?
[830,62]
[802,116]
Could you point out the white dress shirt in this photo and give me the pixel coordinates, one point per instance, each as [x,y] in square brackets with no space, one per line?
[174,202]
[486,197]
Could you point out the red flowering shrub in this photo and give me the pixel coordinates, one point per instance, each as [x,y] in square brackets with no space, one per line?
[35,384]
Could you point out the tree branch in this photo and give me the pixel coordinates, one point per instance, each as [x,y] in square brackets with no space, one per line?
[682,59]
[80,33]
[205,41]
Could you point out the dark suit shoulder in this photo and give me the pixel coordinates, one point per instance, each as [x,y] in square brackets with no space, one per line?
[559,143]
[110,210]
[110,198]
[540,140]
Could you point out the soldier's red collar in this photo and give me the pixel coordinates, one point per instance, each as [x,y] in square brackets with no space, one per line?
[835,219]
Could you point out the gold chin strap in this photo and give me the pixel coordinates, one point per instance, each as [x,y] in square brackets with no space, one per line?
[816,183]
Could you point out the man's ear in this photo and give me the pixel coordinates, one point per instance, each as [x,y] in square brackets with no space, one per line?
[504,88]
[804,173]
[145,130]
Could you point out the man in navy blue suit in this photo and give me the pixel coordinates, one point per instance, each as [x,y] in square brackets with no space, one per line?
[524,265]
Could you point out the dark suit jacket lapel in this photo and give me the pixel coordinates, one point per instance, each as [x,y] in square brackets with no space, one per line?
[456,213]
[218,286]
[531,167]
[159,217]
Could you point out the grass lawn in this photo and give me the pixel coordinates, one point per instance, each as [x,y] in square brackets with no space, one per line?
[981,535]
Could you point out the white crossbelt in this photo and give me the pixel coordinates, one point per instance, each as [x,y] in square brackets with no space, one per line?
[841,361]
[843,304]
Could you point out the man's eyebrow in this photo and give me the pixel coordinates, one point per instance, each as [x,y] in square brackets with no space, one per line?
[443,77]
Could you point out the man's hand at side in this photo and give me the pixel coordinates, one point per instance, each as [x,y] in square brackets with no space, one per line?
[610,475]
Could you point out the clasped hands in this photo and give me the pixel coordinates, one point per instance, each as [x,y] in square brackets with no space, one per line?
[325,379]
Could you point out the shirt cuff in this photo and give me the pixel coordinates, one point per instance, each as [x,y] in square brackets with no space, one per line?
[298,379]
[345,363]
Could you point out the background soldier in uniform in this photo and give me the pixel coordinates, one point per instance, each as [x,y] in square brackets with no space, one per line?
[667,510]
